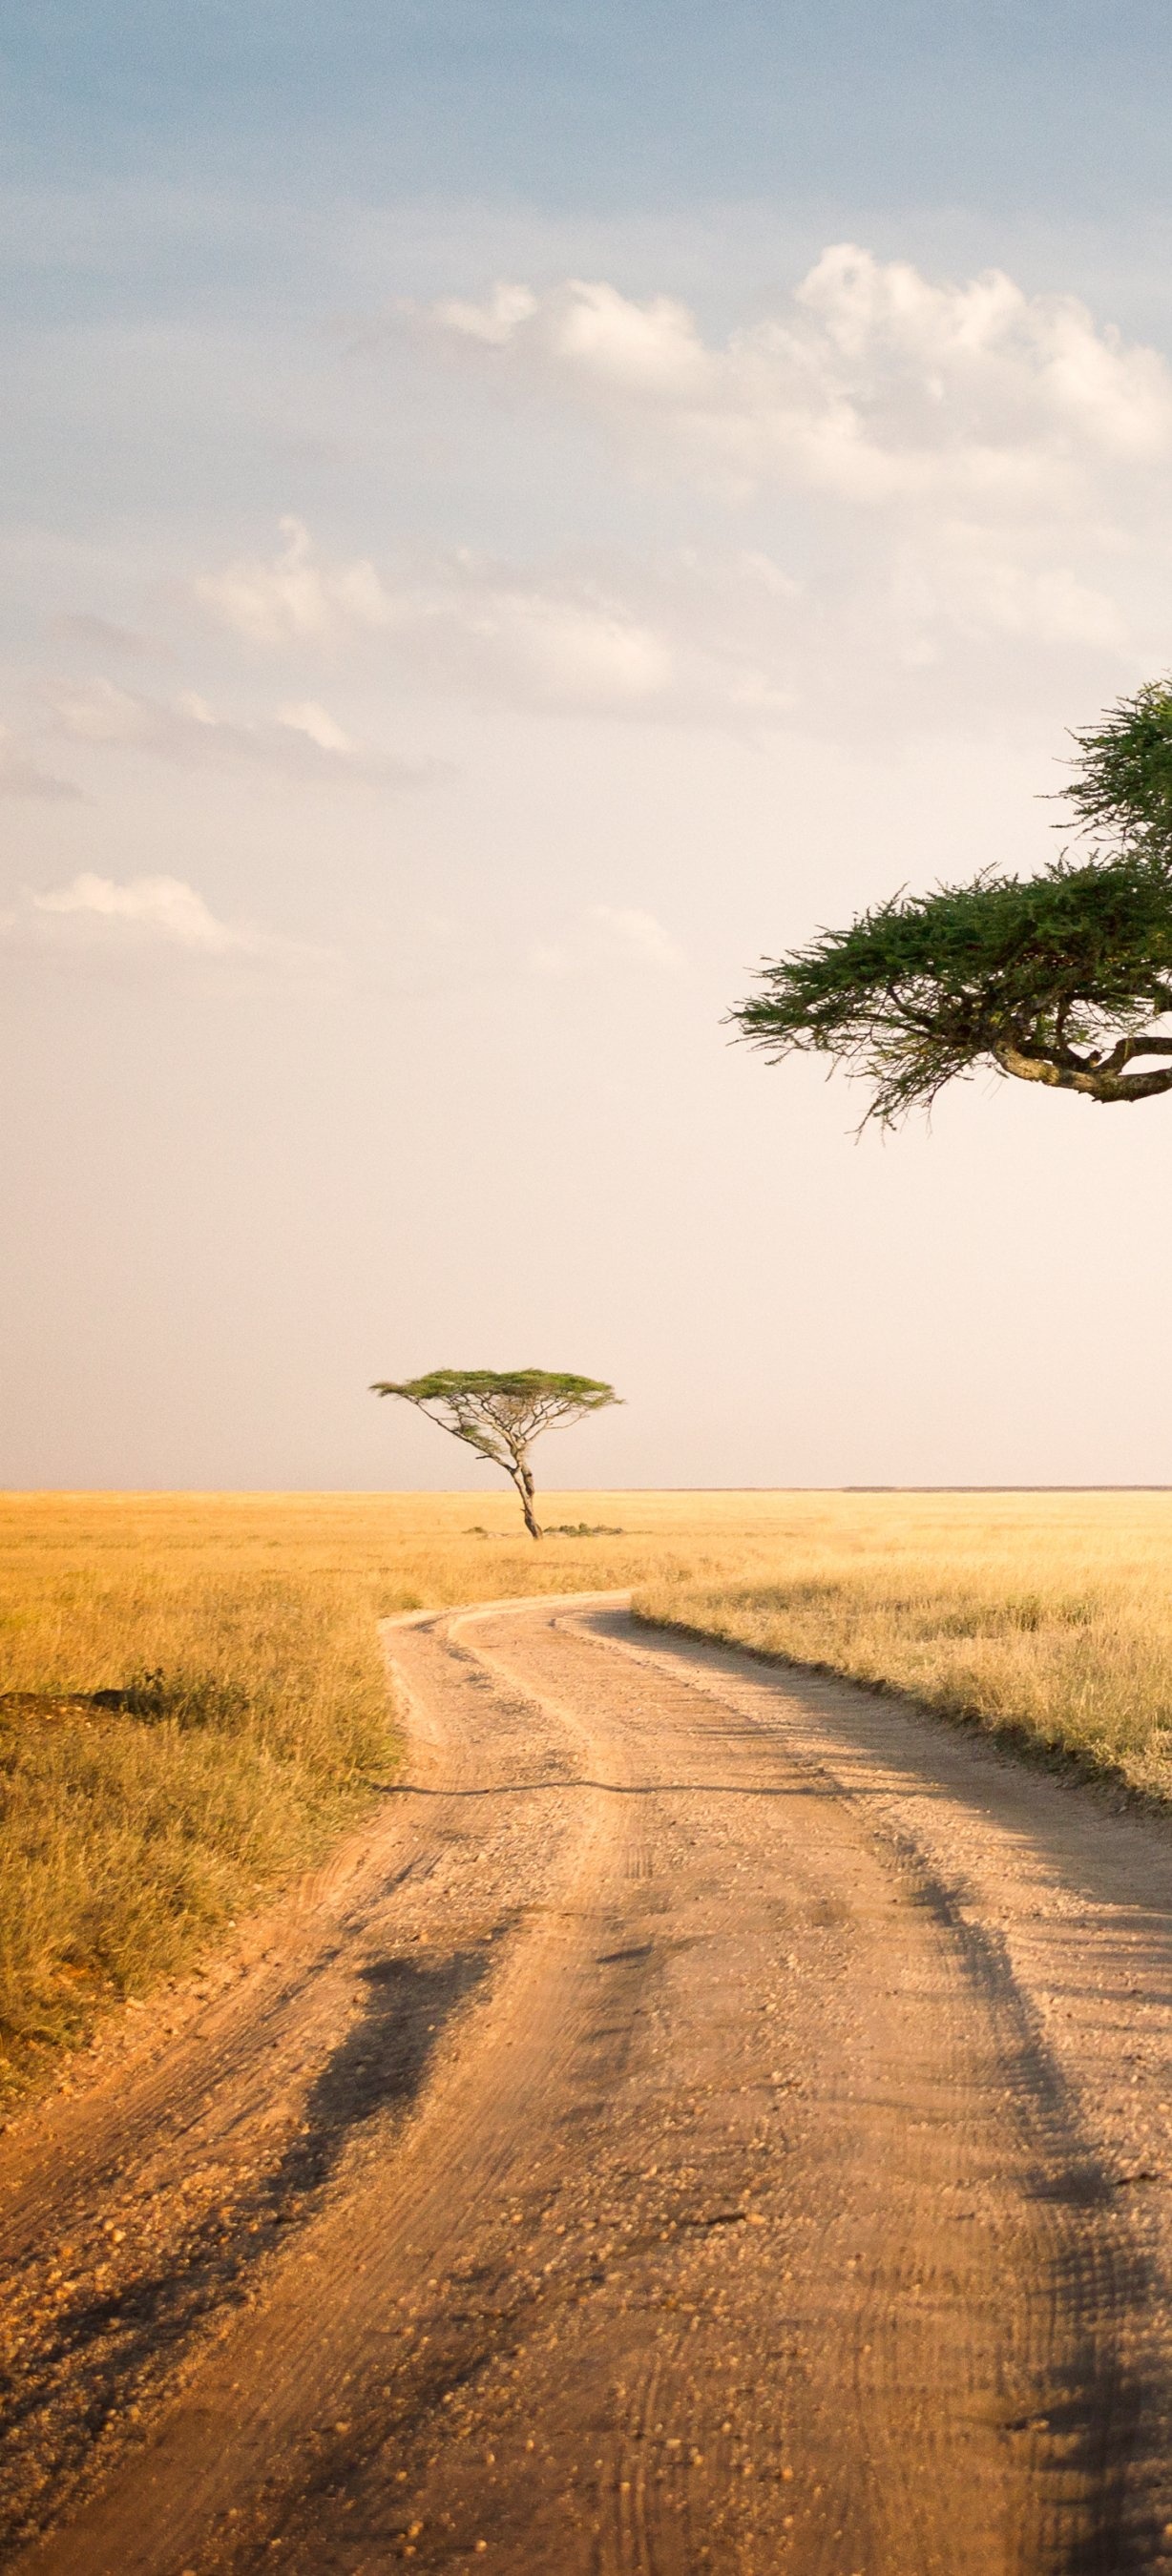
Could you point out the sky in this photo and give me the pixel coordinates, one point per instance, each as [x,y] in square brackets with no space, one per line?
[513,514]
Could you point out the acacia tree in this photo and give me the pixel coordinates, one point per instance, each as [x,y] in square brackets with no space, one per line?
[1055,978]
[500,1414]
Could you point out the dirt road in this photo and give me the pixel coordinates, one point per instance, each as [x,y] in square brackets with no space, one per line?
[714,2120]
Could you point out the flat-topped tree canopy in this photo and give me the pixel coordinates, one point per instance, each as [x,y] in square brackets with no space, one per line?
[1056,978]
[500,1412]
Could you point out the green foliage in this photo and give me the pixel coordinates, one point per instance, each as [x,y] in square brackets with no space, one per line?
[1053,978]
[1123,776]
[500,1412]
[536,1388]
[582,1529]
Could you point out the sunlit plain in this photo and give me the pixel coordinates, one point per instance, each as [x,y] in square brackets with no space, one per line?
[238,1634]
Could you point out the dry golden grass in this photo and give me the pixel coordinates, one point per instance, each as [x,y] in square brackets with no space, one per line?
[242,1627]
[1046,1618]
[241,1630]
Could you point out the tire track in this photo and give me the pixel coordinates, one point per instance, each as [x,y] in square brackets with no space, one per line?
[265,2396]
[1083,2391]
[716,2158]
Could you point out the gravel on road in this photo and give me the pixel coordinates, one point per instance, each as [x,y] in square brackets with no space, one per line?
[715,2118]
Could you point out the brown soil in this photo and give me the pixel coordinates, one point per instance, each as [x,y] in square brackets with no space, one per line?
[714,2120]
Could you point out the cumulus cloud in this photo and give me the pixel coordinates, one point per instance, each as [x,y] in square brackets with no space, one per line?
[982,476]
[494,319]
[317,724]
[295,597]
[982,485]
[874,384]
[653,349]
[100,920]
[302,742]
[731,637]
[553,638]
[465,624]
[562,645]
[153,907]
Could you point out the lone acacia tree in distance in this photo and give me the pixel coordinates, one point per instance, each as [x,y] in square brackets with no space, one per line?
[500,1413]
[1055,978]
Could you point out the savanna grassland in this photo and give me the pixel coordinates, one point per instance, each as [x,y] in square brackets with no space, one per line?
[192,1701]
[1045,1618]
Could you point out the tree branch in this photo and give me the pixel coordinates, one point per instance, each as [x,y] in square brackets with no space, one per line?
[1096,1081]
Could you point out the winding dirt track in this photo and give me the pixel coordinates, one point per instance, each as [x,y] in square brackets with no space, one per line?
[714,2120]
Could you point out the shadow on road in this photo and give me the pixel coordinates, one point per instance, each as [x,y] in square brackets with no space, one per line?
[111,2346]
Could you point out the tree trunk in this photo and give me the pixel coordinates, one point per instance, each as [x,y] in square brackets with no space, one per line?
[523,1480]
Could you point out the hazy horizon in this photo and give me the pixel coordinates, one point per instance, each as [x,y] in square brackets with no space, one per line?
[514,514]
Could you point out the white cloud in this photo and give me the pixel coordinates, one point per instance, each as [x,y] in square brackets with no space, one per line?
[495,319]
[726,637]
[983,485]
[295,598]
[653,347]
[583,651]
[982,473]
[468,626]
[302,743]
[316,723]
[154,907]
[873,384]
[106,922]
[555,639]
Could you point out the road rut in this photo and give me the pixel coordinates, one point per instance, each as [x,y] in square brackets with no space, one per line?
[716,2119]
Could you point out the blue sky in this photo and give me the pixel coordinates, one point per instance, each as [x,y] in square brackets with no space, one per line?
[631,108]
[512,514]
